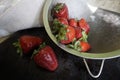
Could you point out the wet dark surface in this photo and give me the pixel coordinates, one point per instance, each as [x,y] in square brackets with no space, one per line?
[14,67]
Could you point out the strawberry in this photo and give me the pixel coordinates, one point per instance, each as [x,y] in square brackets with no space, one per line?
[73,22]
[66,34]
[84,25]
[85,46]
[78,32]
[27,43]
[63,21]
[46,58]
[57,23]
[60,10]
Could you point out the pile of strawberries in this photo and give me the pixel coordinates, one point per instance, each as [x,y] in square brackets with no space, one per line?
[42,54]
[69,31]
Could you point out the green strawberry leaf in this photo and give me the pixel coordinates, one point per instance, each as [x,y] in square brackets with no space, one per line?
[55,26]
[58,7]
[84,36]
[62,33]
[37,50]
[19,49]
[75,45]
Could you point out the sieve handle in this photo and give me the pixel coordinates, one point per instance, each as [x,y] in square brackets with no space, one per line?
[88,69]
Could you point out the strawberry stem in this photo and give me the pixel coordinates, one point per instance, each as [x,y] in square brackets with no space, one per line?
[55,26]
[42,45]
[62,33]
[85,36]
[58,7]
[37,50]
[19,49]
[75,45]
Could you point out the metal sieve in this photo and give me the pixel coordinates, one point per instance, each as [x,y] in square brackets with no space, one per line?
[104,36]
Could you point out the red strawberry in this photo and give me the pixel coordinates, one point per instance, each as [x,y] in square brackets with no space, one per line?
[73,22]
[63,21]
[78,32]
[84,25]
[57,23]
[60,10]
[85,46]
[68,36]
[27,43]
[46,58]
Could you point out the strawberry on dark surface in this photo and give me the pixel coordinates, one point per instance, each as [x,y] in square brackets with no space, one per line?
[46,58]
[27,43]
[84,25]
[15,68]
[60,10]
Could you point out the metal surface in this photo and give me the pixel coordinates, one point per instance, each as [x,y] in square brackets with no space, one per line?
[104,35]
[111,5]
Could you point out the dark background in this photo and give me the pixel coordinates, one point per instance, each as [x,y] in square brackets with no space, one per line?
[14,67]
